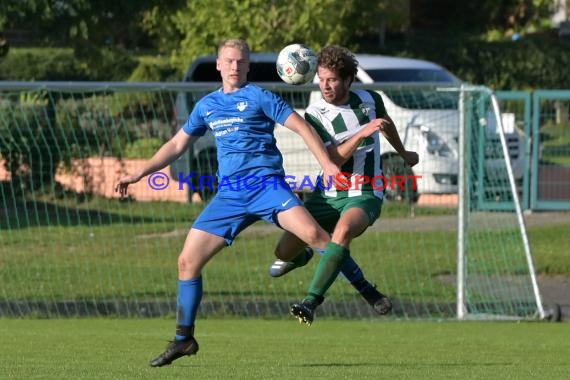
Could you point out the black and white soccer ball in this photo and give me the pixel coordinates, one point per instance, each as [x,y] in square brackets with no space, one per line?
[297,64]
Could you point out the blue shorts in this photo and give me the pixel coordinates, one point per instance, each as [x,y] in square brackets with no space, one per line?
[231,211]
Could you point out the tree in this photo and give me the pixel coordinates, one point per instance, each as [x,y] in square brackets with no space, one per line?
[4,46]
[158,25]
[270,25]
[484,17]
[72,22]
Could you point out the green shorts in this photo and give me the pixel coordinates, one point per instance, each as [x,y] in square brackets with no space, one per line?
[327,211]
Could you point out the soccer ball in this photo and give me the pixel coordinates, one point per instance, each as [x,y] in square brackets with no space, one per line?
[297,64]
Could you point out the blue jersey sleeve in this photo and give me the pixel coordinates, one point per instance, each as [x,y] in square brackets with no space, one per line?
[274,106]
[196,125]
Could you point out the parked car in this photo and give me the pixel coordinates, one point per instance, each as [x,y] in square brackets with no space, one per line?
[427,120]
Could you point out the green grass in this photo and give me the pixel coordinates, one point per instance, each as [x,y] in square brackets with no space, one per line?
[556,144]
[128,261]
[550,248]
[99,249]
[71,209]
[40,50]
[102,249]
[261,349]
[105,249]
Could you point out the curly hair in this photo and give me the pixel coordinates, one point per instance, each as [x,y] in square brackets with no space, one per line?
[338,59]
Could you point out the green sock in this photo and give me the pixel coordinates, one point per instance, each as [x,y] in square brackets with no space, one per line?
[327,271]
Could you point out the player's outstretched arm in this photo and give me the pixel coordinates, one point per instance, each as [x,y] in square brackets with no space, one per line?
[167,153]
[298,125]
[389,131]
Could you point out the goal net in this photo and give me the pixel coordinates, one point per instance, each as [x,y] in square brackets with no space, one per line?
[496,276]
[69,247]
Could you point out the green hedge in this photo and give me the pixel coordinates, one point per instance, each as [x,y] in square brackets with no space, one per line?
[83,64]
[143,148]
[526,64]
[40,130]
[155,71]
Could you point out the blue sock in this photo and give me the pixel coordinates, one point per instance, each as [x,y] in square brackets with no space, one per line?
[352,272]
[189,297]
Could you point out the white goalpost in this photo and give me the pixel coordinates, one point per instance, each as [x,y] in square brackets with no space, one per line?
[478,296]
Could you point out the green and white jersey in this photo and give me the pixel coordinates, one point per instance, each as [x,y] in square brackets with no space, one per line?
[336,124]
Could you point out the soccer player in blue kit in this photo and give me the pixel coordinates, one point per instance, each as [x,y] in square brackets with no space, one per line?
[242,118]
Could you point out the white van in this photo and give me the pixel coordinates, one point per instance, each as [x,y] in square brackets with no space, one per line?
[427,120]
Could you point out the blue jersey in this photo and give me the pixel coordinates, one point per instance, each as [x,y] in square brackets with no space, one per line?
[242,123]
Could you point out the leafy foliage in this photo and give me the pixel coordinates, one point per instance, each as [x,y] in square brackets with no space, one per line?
[482,18]
[184,29]
[4,46]
[503,65]
[271,25]
[156,22]
[30,143]
[143,148]
[40,131]
[85,64]
[154,71]
[517,16]
[74,22]
[110,64]
[40,64]
[167,25]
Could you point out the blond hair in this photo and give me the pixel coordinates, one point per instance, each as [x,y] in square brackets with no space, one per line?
[236,43]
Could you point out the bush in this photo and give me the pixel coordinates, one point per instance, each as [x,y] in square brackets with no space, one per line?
[84,64]
[105,64]
[143,148]
[530,63]
[4,46]
[41,132]
[30,143]
[40,64]
[156,71]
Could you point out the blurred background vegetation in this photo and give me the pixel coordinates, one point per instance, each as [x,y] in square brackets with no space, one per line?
[505,44]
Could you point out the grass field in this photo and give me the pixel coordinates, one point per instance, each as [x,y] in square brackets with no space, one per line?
[103,249]
[262,349]
[556,144]
[100,250]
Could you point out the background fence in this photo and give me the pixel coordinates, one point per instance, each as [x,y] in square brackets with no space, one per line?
[69,247]
[543,116]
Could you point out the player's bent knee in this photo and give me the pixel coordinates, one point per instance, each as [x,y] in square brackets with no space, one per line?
[182,263]
[316,236]
[188,266]
[342,232]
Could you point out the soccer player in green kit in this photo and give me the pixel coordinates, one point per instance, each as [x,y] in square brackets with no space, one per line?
[350,123]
